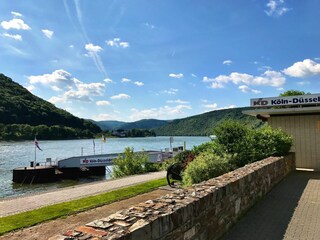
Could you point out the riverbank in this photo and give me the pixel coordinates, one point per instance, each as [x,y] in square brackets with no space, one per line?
[10,206]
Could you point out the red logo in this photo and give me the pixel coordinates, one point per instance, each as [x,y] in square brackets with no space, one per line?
[85,161]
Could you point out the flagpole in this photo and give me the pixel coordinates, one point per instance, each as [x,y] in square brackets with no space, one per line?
[35,156]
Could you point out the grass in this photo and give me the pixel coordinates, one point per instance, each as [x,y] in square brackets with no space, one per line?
[30,218]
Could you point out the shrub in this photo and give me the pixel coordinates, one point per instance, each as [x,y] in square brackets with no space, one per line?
[184,158]
[207,146]
[205,166]
[246,145]
[272,142]
[232,135]
[235,139]
[235,146]
[130,163]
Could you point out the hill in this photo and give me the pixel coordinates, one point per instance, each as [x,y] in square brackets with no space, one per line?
[144,124]
[141,124]
[20,107]
[109,125]
[201,125]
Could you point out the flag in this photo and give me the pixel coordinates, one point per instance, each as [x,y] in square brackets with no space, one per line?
[36,143]
[103,138]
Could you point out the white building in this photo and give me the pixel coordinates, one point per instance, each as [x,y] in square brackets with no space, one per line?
[300,117]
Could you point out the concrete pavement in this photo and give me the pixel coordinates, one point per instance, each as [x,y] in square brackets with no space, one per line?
[291,211]
[30,202]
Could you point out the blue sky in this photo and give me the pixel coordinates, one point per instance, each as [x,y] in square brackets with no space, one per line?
[129,60]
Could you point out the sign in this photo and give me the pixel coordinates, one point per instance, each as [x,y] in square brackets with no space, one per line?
[286,101]
[92,161]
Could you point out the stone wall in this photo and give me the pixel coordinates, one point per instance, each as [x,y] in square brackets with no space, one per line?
[203,211]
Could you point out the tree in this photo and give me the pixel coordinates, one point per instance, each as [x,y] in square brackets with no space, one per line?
[130,163]
[293,93]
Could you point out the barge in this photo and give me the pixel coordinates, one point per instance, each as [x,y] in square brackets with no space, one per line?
[77,167]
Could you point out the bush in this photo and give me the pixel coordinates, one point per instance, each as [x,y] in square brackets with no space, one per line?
[232,136]
[130,163]
[205,166]
[207,146]
[235,139]
[246,145]
[272,142]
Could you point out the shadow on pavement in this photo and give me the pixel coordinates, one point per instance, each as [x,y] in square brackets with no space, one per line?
[270,217]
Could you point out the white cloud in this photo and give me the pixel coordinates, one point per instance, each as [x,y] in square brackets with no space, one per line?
[268,78]
[178,101]
[117,43]
[93,48]
[124,44]
[30,88]
[212,106]
[303,83]
[139,84]
[47,33]
[55,100]
[246,89]
[216,85]
[15,24]
[148,25]
[165,112]
[13,36]
[108,80]
[280,89]
[193,75]
[61,80]
[104,117]
[125,80]
[276,8]
[93,51]
[176,75]
[16,14]
[302,69]
[121,96]
[171,91]
[227,62]
[71,46]
[103,103]
[55,88]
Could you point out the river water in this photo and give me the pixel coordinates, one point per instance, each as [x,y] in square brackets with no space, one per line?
[19,154]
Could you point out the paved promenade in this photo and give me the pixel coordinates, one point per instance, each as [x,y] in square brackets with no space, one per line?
[30,202]
[291,211]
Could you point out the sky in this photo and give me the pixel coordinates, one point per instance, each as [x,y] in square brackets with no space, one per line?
[129,60]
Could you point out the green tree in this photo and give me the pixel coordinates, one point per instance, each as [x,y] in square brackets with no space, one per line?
[293,93]
[130,163]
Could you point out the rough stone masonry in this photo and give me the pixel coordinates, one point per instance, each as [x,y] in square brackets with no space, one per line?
[203,211]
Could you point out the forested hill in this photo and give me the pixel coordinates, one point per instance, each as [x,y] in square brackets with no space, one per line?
[141,124]
[202,125]
[18,106]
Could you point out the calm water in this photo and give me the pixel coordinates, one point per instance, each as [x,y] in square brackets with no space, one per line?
[19,154]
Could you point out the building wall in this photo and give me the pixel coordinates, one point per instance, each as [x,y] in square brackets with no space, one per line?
[306,132]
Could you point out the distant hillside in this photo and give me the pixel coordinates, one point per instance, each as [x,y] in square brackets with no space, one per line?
[20,107]
[141,124]
[202,124]
[145,124]
[109,125]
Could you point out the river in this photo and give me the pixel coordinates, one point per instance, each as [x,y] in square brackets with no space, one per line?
[19,154]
